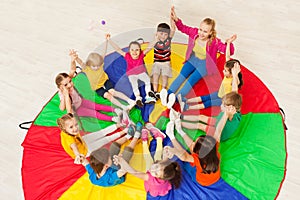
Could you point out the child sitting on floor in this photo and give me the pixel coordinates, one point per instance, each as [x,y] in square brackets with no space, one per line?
[161,174]
[207,124]
[71,101]
[78,147]
[162,57]
[101,170]
[136,69]
[99,80]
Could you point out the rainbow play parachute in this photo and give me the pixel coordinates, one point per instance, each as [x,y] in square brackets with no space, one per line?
[253,161]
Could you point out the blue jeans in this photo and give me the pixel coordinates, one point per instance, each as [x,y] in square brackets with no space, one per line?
[193,70]
[211,100]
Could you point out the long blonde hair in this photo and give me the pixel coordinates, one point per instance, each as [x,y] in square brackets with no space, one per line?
[211,22]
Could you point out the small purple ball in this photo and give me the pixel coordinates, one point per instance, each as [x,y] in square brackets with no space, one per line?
[103,22]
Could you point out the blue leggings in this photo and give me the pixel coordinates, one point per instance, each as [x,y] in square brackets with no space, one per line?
[193,70]
[211,100]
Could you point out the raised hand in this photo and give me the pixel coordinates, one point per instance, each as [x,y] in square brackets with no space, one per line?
[107,36]
[236,69]
[230,111]
[73,55]
[231,39]
[173,14]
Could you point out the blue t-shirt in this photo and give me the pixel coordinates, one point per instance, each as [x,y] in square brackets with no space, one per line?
[110,178]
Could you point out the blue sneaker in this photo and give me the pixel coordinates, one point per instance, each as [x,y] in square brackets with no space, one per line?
[139,126]
[131,130]
[138,130]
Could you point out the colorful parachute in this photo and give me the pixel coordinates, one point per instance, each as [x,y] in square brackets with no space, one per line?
[253,161]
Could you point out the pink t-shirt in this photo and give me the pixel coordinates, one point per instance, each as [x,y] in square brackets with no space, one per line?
[156,186]
[135,66]
[75,98]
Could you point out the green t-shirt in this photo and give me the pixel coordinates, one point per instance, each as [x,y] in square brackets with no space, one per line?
[230,126]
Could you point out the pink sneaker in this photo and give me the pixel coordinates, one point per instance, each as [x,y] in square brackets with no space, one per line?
[157,133]
[145,133]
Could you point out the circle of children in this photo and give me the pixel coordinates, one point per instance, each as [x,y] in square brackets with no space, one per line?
[108,167]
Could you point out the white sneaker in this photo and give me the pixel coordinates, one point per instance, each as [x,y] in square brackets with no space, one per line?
[163,97]
[173,115]
[171,100]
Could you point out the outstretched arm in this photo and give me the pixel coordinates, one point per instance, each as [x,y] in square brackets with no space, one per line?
[119,160]
[173,27]
[78,157]
[150,45]
[105,49]
[177,150]
[229,46]
[74,56]
[115,46]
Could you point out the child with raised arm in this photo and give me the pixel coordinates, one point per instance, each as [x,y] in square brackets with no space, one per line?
[207,124]
[101,170]
[99,80]
[135,68]
[159,178]
[78,147]
[231,82]
[201,54]
[71,101]
[202,164]
[162,57]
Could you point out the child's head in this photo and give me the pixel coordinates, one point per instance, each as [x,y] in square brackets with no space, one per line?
[64,80]
[134,49]
[163,31]
[206,149]
[94,61]
[68,124]
[228,70]
[167,170]
[100,159]
[207,29]
[232,99]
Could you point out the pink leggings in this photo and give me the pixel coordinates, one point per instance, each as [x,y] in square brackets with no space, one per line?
[90,109]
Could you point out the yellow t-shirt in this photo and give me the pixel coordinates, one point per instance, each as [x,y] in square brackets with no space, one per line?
[200,52]
[226,86]
[97,78]
[67,140]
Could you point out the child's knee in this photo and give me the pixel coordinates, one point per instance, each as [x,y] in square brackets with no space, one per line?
[107,95]
[112,91]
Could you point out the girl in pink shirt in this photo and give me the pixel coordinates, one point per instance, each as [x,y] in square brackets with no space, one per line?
[201,54]
[158,180]
[135,68]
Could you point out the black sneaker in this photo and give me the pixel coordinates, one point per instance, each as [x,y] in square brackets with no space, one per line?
[152,94]
[139,103]
[157,95]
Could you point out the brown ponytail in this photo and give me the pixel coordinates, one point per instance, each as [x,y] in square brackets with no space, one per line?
[172,173]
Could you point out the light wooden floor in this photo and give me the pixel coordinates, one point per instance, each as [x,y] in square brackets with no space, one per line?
[36,36]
